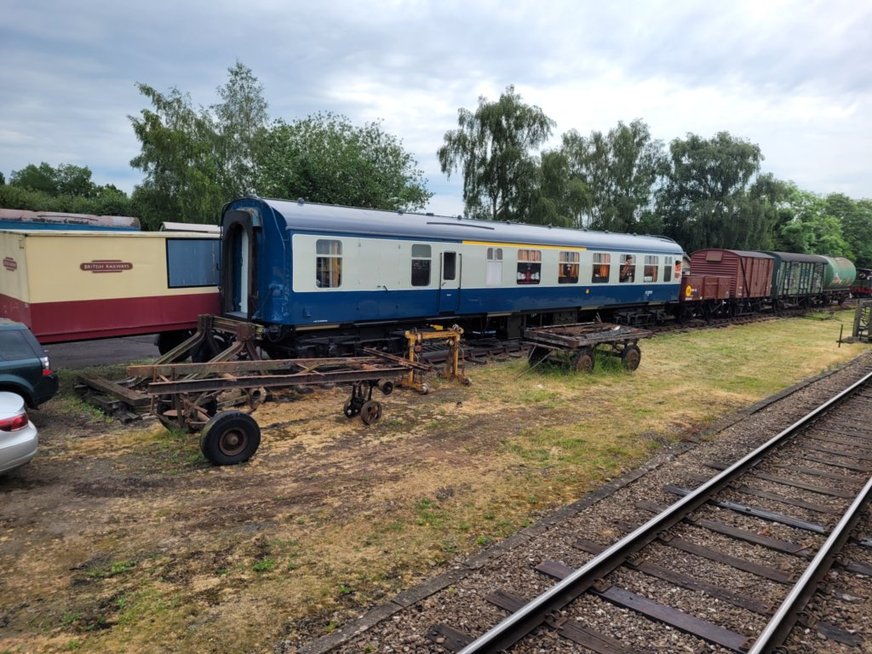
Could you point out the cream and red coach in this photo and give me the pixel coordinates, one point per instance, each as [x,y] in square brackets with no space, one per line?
[79,285]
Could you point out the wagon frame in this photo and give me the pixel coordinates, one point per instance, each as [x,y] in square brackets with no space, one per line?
[217,396]
[577,343]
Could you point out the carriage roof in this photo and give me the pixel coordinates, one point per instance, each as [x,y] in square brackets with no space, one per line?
[323,218]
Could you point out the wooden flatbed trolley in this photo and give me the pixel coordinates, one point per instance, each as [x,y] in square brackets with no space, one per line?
[577,342]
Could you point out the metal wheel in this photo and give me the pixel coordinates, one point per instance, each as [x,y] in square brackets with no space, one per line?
[370,412]
[583,360]
[387,387]
[631,357]
[349,409]
[229,438]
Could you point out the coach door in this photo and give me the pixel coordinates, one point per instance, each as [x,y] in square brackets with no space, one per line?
[449,282]
[238,265]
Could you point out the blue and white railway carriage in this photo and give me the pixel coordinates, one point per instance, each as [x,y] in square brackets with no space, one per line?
[299,266]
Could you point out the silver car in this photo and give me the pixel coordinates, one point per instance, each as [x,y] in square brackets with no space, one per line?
[18,436]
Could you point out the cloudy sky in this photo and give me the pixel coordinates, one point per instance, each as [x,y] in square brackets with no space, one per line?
[793,77]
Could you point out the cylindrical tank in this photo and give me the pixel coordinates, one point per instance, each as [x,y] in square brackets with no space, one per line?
[839,274]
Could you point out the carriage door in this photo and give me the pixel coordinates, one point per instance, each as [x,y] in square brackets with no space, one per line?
[237,275]
[449,283]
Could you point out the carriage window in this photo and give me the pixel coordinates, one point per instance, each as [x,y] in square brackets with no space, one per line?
[714,255]
[494,272]
[328,264]
[568,271]
[449,265]
[628,268]
[529,266]
[420,265]
[651,265]
[192,262]
[601,264]
[667,269]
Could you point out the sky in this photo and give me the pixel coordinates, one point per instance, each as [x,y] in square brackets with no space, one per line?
[793,77]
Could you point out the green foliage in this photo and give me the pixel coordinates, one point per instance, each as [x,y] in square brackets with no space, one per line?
[324,158]
[560,198]
[493,150]
[107,201]
[707,200]
[856,220]
[809,227]
[619,170]
[195,160]
[66,179]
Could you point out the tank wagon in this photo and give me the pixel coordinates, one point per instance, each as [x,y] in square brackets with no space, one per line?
[79,285]
[839,277]
[326,279]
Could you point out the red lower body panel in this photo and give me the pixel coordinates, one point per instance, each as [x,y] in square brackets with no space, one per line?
[80,320]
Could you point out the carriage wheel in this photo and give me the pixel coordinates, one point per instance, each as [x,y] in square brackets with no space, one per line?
[370,412]
[631,357]
[229,438]
[583,361]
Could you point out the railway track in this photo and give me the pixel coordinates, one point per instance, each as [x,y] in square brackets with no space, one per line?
[813,478]
[742,545]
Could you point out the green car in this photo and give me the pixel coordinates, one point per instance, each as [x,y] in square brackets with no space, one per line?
[24,365]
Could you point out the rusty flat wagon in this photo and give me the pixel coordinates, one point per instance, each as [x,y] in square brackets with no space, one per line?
[577,343]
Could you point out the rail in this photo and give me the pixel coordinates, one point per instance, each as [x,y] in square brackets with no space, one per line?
[510,630]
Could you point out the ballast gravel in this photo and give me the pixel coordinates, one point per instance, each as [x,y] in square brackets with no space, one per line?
[458,600]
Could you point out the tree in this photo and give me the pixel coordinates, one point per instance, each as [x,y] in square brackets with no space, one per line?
[324,158]
[856,220]
[704,202]
[493,149]
[240,121]
[620,170]
[195,160]
[810,228]
[2,179]
[559,198]
[66,179]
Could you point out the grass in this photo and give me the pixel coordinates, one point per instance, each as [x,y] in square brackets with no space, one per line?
[439,478]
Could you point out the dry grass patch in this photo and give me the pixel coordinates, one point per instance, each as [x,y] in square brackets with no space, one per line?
[139,545]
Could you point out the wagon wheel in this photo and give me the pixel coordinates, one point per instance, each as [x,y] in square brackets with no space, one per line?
[631,357]
[349,409]
[583,360]
[370,412]
[230,437]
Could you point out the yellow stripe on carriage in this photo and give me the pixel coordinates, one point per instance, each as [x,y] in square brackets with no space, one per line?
[530,246]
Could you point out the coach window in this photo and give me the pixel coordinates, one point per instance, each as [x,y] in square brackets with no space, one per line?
[567,273]
[628,268]
[529,266]
[601,264]
[667,269]
[494,272]
[328,265]
[651,265]
[420,265]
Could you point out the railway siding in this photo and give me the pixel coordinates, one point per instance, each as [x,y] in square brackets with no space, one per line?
[718,600]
